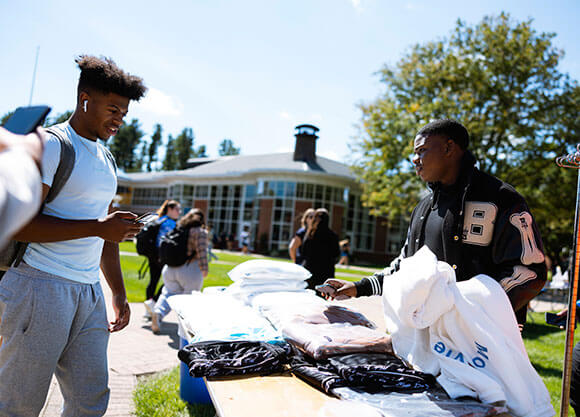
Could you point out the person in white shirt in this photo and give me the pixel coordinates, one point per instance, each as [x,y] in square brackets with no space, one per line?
[52,307]
[20,186]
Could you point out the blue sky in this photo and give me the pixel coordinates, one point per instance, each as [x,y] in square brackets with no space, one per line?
[246,70]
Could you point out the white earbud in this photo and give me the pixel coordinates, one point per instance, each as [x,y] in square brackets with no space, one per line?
[85,105]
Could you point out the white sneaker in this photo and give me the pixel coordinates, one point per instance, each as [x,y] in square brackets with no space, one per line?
[149,304]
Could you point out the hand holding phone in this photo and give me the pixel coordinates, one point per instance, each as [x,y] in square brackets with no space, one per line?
[146,218]
[326,290]
[556,320]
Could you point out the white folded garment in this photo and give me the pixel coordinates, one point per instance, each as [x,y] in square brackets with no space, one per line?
[464,332]
[266,269]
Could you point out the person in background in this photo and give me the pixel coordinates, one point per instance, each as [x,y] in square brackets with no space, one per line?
[168,214]
[20,185]
[319,249]
[296,242]
[344,252]
[245,240]
[188,277]
[211,239]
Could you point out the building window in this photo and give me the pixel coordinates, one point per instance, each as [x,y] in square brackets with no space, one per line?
[359,224]
[150,197]
[224,208]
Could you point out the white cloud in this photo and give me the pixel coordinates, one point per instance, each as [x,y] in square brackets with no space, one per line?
[327,153]
[356,4]
[159,103]
[285,115]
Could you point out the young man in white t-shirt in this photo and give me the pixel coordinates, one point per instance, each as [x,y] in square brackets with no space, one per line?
[53,317]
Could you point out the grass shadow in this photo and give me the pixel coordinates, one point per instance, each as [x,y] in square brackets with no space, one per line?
[535,330]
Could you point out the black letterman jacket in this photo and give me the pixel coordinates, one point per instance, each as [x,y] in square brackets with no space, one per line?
[488,230]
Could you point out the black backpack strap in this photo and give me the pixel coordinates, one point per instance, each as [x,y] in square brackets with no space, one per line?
[61,176]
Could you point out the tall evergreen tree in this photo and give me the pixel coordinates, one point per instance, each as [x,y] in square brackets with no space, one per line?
[200,152]
[227,148]
[154,147]
[184,147]
[124,146]
[170,160]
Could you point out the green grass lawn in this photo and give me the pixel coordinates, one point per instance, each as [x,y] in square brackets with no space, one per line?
[159,395]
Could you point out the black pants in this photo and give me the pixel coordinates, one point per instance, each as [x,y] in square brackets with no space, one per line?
[575,380]
[154,273]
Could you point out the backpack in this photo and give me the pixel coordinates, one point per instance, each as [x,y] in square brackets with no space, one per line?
[173,248]
[146,239]
[13,253]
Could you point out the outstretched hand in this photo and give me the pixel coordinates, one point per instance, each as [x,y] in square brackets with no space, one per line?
[339,289]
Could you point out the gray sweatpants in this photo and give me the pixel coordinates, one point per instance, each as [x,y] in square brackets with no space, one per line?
[51,325]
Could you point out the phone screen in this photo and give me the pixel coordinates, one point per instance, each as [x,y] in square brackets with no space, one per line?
[26,119]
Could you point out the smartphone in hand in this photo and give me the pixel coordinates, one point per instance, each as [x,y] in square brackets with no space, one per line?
[326,290]
[146,218]
[556,320]
[26,119]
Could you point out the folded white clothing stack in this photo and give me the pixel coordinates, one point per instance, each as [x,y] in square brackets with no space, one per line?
[466,333]
[255,277]
[219,317]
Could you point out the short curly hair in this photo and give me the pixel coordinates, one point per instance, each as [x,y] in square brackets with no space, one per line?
[447,127]
[102,74]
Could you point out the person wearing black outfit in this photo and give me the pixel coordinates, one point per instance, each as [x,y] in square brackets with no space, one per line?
[296,242]
[319,249]
[475,222]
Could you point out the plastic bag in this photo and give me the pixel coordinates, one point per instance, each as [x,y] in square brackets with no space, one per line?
[323,340]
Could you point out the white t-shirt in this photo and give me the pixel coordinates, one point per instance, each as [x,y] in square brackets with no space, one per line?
[85,196]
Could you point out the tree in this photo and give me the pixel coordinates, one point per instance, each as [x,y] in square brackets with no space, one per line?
[184,147]
[227,148]
[170,160]
[63,117]
[124,145]
[500,78]
[5,118]
[154,146]
[200,152]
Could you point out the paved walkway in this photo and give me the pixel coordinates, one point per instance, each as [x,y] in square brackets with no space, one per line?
[134,351]
[137,351]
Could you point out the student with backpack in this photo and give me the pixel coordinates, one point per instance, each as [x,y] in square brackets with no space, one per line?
[52,308]
[184,253]
[148,242]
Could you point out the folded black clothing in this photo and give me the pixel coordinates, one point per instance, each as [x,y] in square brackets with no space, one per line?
[217,358]
[319,374]
[380,372]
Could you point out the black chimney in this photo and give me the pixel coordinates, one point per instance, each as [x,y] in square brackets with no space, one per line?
[305,149]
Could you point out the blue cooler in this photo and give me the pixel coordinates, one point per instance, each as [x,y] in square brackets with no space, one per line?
[191,390]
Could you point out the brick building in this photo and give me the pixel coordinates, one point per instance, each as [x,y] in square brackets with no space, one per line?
[268,193]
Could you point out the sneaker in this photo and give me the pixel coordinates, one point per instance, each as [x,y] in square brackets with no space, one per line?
[155,323]
[149,304]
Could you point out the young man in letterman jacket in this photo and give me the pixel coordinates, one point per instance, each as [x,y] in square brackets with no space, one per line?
[475,222]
